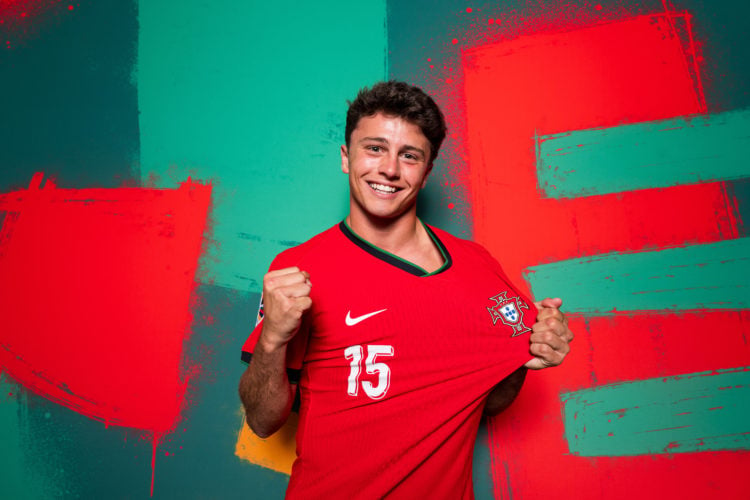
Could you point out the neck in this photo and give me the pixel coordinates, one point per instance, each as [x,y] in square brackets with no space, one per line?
[391,235]
[403,236]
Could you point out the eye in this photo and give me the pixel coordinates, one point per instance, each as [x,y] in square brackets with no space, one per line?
[374,148]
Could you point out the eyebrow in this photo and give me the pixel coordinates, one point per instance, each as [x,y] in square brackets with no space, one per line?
[376,139]
[384,141]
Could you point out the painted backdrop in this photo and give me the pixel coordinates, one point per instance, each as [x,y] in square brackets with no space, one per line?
[156,155]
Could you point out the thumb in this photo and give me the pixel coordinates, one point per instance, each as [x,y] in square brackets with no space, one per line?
[536,364]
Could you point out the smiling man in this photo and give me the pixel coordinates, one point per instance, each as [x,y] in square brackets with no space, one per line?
[399,335]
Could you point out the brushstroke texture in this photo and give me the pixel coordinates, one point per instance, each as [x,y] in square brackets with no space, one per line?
[260,108]
[709,276]
[600,76]
[694,412]
[638,69]
[662,153]
[96,296]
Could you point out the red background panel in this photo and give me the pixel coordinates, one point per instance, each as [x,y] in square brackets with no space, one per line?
[629,71]
[527,442]
[637,69]
[95,298]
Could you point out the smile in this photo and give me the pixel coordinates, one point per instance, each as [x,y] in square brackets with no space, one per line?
[381,188]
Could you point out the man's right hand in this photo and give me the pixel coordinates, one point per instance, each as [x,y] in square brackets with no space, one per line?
[286,297]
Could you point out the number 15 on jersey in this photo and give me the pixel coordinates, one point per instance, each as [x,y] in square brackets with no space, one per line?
[355,354]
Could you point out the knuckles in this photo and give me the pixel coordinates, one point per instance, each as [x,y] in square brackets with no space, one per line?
[544,337]
[543,350]
[547,354]
[550,313]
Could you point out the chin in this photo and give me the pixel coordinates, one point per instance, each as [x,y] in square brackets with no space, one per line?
[385,215]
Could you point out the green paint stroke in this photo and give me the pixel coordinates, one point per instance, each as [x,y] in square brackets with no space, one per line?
[252,95]
[709,276]
[703,411]
[644,155]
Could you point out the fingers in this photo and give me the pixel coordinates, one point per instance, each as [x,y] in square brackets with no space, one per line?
[555,324]
[286,296]
[551,318]
[548,302]
[550,339]
[295,290]
[285,284]
[303,303]
[285,277]
[546,354]
[547,313]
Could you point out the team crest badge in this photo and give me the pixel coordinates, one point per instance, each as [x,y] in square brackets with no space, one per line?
[508,310]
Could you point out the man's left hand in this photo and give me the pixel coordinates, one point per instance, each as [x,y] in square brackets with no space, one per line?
[550,337]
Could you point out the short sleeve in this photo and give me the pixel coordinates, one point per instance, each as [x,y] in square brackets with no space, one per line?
[497,269]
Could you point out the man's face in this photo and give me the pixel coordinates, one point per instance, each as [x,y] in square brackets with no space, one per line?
[388,163]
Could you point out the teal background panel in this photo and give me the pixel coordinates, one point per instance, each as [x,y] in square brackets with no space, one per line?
[252,96]
[647,155]
[708,276]
[740,192]
[21,475]
[69,103]
[205,440]
[703,411]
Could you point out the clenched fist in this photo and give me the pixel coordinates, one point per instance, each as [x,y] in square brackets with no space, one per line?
[286,296]
[550,336]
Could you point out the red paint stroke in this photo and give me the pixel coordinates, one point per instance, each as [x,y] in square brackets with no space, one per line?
[527,437]
[601,76]
[95,297]
[632,70]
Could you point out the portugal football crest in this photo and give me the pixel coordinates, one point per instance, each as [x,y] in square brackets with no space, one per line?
[508,310]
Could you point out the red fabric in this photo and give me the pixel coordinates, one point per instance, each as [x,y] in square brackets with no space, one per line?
[417,436]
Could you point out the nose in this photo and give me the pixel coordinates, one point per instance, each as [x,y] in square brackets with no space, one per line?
[390,167]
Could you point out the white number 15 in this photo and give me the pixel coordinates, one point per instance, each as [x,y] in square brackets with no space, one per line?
[355,353]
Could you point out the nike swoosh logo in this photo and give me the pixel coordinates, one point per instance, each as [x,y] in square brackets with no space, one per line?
[353,321]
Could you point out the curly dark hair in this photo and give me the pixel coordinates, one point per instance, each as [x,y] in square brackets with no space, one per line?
[403,100]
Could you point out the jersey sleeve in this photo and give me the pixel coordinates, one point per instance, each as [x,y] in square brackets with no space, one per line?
[295,349]
[498,269]
[522,355]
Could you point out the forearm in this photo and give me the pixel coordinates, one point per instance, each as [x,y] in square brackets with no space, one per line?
[504,393]
[265,390]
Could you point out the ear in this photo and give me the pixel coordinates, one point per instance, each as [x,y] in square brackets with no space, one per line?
[344,159]
[426,175]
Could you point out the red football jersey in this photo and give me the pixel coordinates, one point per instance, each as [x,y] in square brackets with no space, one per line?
[396,364]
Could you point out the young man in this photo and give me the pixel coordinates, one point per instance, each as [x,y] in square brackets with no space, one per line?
[398,334]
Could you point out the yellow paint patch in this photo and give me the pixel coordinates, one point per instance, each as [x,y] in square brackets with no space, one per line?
[276,452]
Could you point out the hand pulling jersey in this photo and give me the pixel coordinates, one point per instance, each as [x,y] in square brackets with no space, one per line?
[396,364]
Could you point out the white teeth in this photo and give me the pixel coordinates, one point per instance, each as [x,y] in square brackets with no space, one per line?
[382,188]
